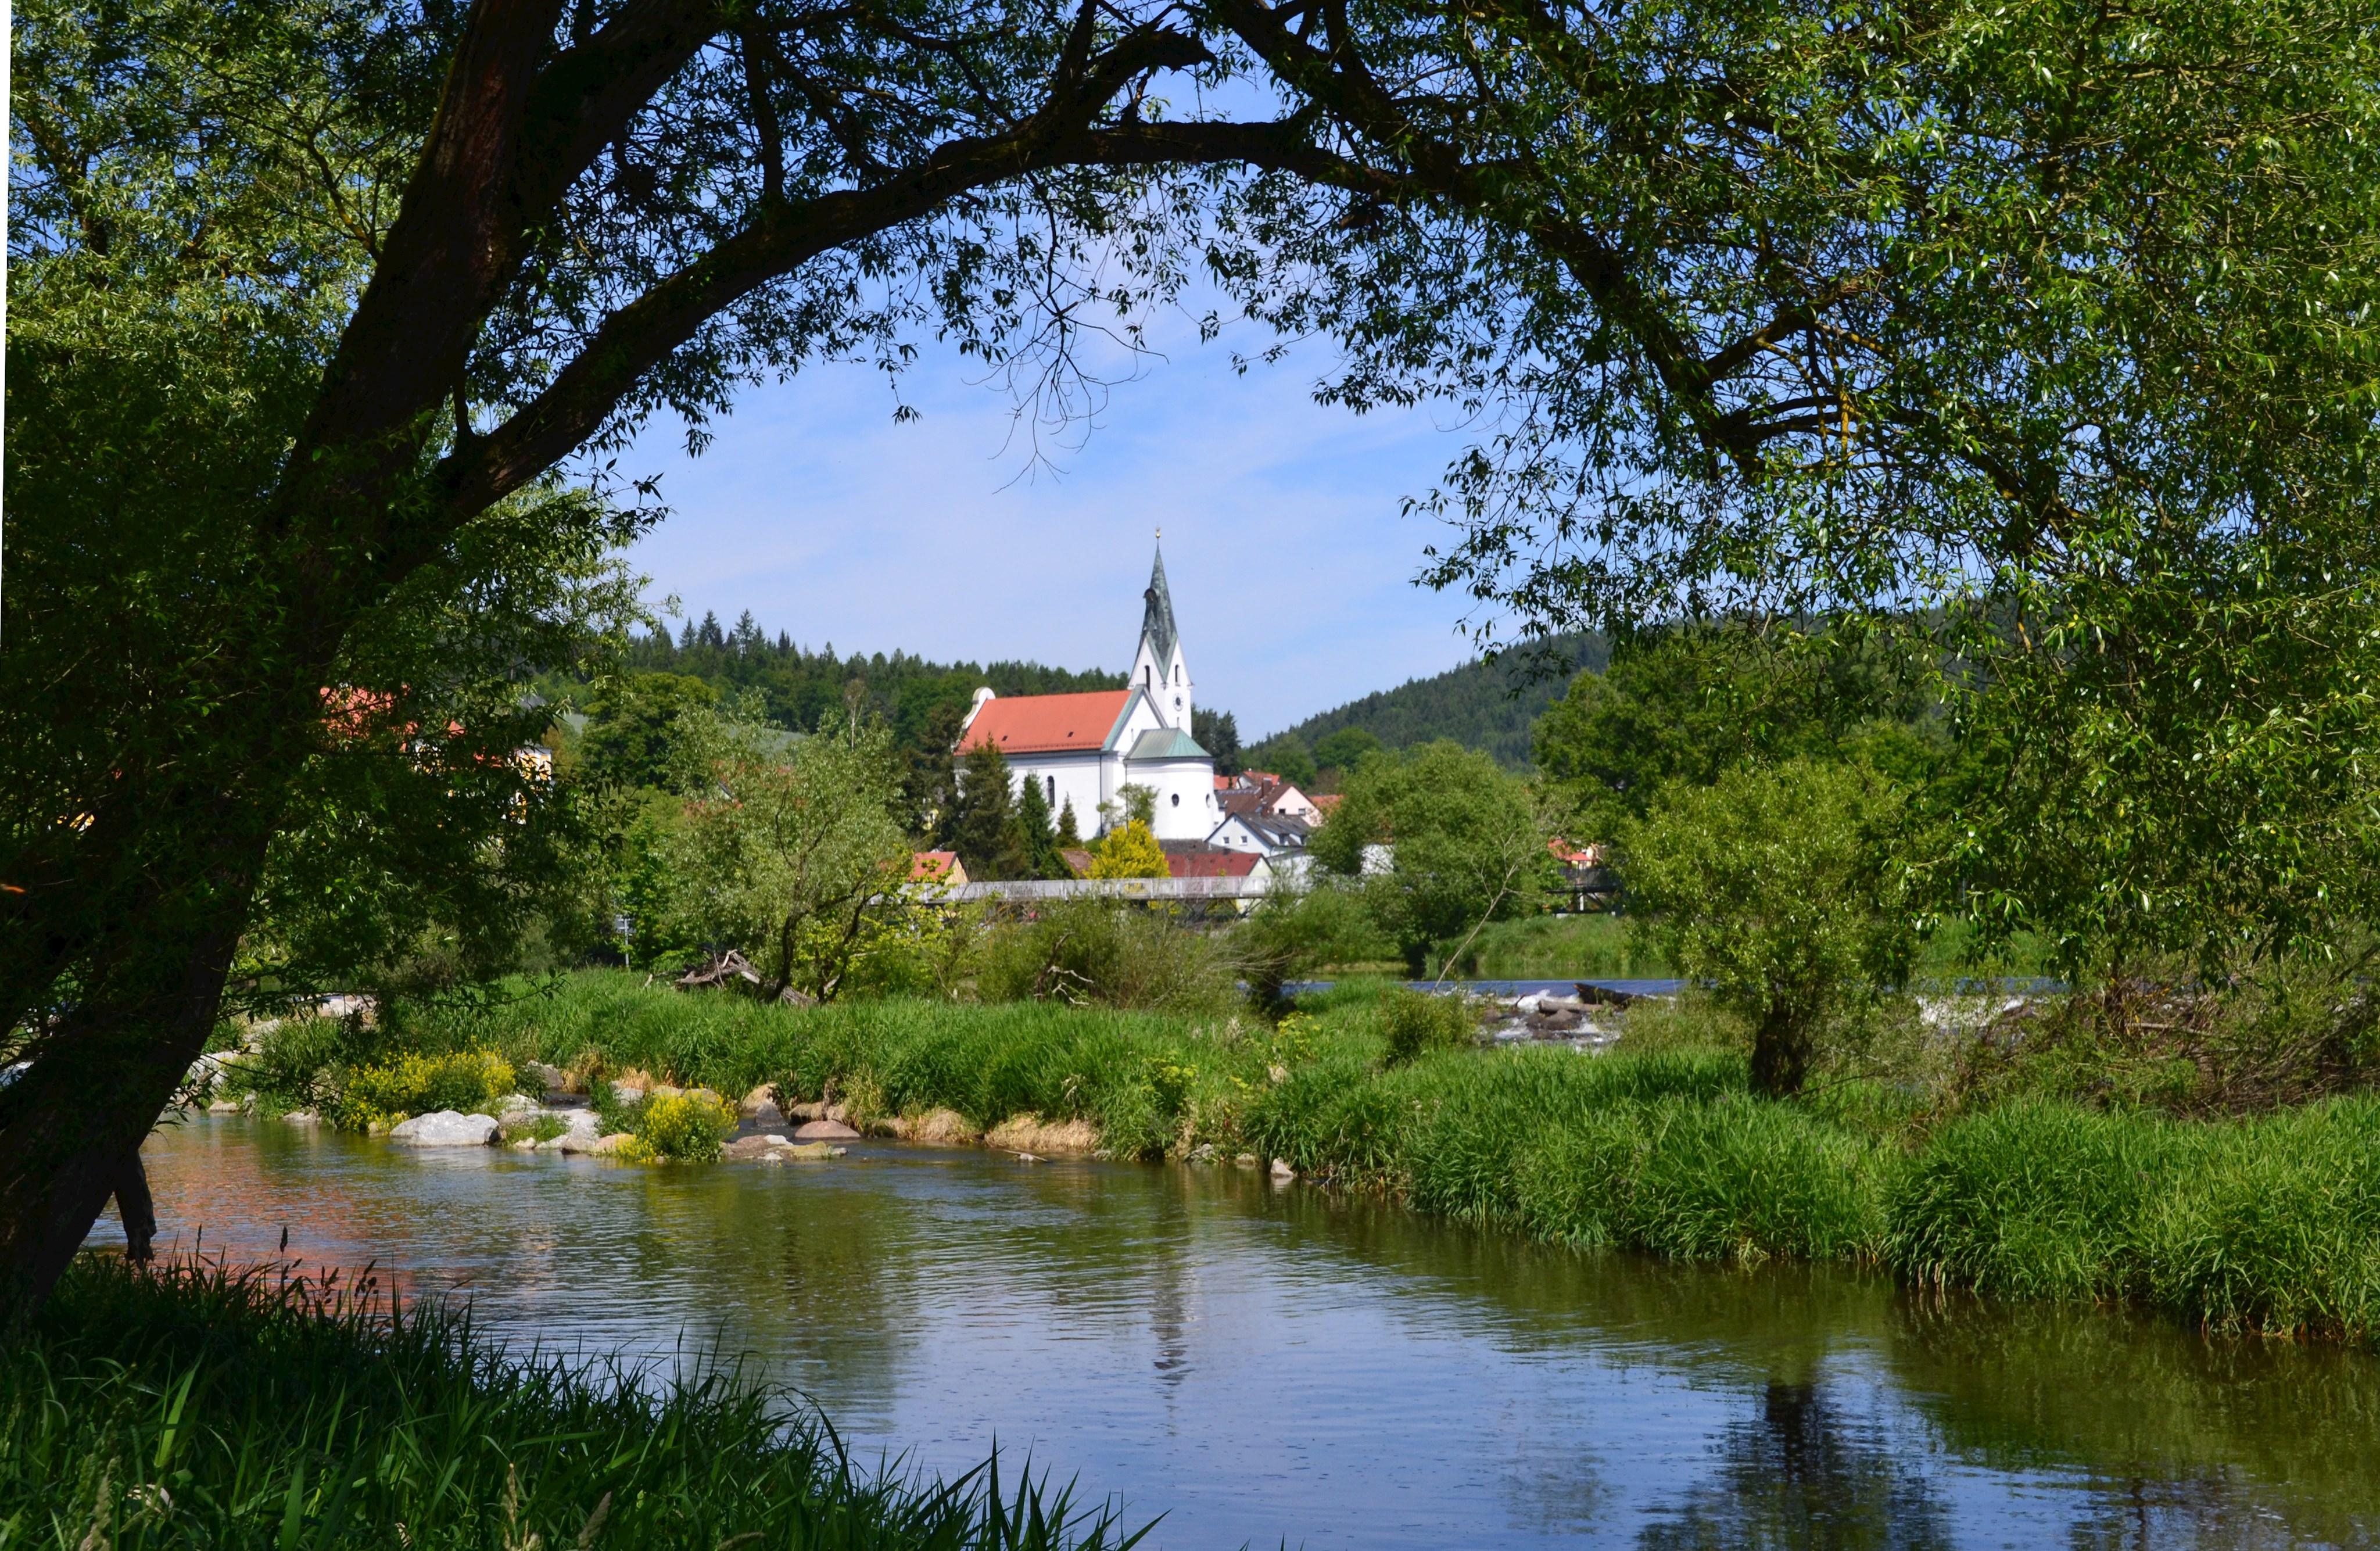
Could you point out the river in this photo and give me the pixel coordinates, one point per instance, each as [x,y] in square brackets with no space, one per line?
[1263,1362]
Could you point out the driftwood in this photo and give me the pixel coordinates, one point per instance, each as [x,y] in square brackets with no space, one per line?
[729,966]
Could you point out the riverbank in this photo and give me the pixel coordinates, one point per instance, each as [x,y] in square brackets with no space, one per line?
[190,1406]
[2267,1224]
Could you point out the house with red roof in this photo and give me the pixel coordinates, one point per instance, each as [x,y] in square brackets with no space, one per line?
[1085,749]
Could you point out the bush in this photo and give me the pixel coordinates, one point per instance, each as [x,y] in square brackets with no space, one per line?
[678,1128]
[1130,852]
[474,1082]
[1106,952]
[1298,930]
[1416,1023]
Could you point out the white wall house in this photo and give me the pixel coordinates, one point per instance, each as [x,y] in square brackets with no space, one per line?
[1085,749]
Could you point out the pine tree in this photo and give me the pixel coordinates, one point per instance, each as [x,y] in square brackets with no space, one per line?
[983,819]
[1040,843]
[1070,834]
[1219,734]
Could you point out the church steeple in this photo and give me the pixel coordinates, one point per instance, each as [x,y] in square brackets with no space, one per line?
[1157,665]
[1156,618]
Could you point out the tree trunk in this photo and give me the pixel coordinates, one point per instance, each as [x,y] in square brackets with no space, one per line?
[100,1073]
[1781,1056]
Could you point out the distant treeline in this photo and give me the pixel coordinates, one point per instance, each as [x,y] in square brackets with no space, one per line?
[1482,704]
[801,684]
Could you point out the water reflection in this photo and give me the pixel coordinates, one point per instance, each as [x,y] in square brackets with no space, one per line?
[1259,1362]
[1798,1475]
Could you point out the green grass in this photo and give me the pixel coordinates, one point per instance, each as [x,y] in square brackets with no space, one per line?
[2267,1224]
[193,1408]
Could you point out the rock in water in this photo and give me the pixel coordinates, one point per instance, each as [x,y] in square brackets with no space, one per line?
[447,1128]
[759,1106]
[825,1130]
[1281,1170]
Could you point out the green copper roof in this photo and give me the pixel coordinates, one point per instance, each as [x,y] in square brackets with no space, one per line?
[1165,742]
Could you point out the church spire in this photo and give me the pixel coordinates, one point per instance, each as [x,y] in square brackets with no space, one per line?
[1157,619]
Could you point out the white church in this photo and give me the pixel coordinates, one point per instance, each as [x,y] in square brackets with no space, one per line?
[1085,749]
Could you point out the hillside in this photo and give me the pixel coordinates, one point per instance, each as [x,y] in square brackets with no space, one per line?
[1488,706]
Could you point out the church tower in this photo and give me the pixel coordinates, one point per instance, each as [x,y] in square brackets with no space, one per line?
[1156,666]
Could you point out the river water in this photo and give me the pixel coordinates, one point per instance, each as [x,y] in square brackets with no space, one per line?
[1262,1363]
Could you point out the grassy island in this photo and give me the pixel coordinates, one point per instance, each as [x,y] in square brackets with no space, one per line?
[2265,1223]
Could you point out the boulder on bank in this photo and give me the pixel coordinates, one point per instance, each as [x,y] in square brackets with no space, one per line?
[581,1136]
[759,1106]
[446,1128]
[825,1130]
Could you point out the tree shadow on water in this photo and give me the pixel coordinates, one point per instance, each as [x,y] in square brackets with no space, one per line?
[1796,1478]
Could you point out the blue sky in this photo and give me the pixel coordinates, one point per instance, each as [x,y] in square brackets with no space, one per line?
[1290,563]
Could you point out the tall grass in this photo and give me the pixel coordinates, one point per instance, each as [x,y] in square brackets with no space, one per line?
[2267,1224]
[191,1407]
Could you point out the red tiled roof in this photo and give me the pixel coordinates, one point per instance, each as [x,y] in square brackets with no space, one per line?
[931,864]
[1211,864]
[1327,802]
[1047,723]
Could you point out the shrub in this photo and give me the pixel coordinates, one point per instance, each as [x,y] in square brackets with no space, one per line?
[1415,1022]
[679,1128]
[475,1082]
[1779,889]
[1106,951]
[1130,852]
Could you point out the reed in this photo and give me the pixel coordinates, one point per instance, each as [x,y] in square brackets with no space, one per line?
[194,1407]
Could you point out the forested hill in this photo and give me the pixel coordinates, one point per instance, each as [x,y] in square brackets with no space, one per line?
[803,685]
[1481,705]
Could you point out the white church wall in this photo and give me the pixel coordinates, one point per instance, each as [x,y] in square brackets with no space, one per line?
[1064,777]
[1186,796]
